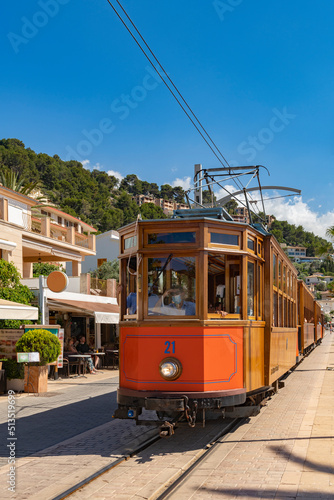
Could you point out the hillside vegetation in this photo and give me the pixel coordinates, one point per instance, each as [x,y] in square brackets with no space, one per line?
[102,201]
[96,197]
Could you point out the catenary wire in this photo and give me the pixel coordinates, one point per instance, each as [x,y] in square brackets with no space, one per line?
[172,83]
[221,160]
[208,137]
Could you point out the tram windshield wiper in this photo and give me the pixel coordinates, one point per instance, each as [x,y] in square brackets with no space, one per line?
[169,258]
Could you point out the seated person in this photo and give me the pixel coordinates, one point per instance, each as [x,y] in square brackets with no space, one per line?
[217,308]
[82,348]
[177,297]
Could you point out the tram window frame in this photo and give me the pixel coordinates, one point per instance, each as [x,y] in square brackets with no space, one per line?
[130,287]
[251,244]
[160,246]
[163,317]
[275,308]
[279,274]
[280,310]
[259,292]
[251,312]
[230,278]
[132,242]
[274,268]
[224,244]
[227,233]
[131,250]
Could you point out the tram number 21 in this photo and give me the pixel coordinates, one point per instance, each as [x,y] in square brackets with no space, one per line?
[170,347]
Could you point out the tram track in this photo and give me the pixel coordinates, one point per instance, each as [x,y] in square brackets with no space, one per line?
[165,490]
[73,489]
[171,487]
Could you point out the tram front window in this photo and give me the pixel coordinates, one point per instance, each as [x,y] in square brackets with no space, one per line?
[171,286]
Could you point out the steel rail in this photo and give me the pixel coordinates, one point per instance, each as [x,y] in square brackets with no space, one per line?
[106,468]
[169,489]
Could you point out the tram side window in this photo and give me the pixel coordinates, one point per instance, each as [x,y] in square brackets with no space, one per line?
[131,286]
[250,289]
[171,286]
[224,285]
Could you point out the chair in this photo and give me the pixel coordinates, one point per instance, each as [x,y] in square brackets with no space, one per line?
[65,368]
[73,365]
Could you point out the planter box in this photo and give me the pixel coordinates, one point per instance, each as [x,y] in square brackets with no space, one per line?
[37,380]
[15,384]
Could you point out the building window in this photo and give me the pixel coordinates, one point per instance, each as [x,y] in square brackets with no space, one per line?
[100,262]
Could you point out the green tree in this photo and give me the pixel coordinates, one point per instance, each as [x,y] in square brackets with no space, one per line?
[151,211]
[231,207]
[12,289]
[321,286]
[45,268]
[108,270]
[178,193]
[128,206]
[166,192]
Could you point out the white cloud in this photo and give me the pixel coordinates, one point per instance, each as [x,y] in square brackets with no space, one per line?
[118,175]
[297,212]
[185,183]
[86,164]
[221,193]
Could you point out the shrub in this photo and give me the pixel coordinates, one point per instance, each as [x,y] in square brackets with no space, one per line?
[42,341]
[12,368]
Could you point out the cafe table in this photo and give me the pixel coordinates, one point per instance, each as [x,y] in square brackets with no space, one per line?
[82,358]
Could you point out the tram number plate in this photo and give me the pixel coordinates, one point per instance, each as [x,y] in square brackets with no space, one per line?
[170,347]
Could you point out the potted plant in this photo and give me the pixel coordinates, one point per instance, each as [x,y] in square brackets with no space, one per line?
[14,375]
[49,348]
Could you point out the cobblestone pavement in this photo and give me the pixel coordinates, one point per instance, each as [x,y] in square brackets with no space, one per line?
[285,452]
[49,472]
[70,407]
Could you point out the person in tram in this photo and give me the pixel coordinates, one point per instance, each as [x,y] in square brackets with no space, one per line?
[177,300]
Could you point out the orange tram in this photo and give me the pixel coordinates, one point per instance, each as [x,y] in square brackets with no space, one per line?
[212,316]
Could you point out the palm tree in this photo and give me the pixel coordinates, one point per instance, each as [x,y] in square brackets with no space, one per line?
[330,232]
[11,180]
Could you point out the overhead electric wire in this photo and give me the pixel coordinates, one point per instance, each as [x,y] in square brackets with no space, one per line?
[169,88]
[208,139]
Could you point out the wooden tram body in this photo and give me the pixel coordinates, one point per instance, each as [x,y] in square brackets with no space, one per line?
[218,362]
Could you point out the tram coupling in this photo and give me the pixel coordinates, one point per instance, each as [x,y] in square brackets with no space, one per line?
[167,429]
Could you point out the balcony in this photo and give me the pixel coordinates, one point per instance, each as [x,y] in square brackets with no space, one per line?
[45,226]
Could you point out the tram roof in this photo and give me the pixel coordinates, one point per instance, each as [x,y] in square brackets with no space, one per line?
[216,213]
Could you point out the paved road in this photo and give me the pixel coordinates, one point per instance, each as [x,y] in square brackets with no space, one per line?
[61,414]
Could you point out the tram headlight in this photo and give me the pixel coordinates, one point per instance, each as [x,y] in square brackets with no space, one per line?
[170,368]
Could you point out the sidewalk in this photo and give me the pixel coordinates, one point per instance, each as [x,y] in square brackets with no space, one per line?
[285,452]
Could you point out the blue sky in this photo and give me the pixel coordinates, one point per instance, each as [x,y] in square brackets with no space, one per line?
[259,75]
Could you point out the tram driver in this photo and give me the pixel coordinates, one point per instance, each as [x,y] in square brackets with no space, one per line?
[176,303]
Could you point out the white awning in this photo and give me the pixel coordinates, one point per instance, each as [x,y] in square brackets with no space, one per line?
[14,310]
[102,312]
[103,317]
[7,245]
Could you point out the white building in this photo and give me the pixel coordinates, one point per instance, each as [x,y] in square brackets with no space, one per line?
[107,248]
